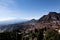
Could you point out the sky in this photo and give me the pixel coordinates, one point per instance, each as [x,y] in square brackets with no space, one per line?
[27,9]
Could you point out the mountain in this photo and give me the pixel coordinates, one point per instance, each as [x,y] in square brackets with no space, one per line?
[12,21]
[10,25]
[15,25]
[30,21]
[46,28]
[52,16]
[51,20]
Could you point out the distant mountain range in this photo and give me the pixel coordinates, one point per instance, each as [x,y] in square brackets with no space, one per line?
[12,21]
[52,20]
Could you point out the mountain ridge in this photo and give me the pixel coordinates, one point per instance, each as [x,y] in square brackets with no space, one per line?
[52,16]
[51,20]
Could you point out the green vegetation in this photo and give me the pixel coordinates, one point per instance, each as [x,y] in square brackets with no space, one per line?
[37,34]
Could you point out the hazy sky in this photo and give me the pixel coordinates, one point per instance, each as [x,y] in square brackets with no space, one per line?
[27,9]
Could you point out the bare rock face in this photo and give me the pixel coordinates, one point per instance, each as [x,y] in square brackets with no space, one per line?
[52,16]
[52,20]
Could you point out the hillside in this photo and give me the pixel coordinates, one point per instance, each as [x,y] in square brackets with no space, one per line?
[46,28]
